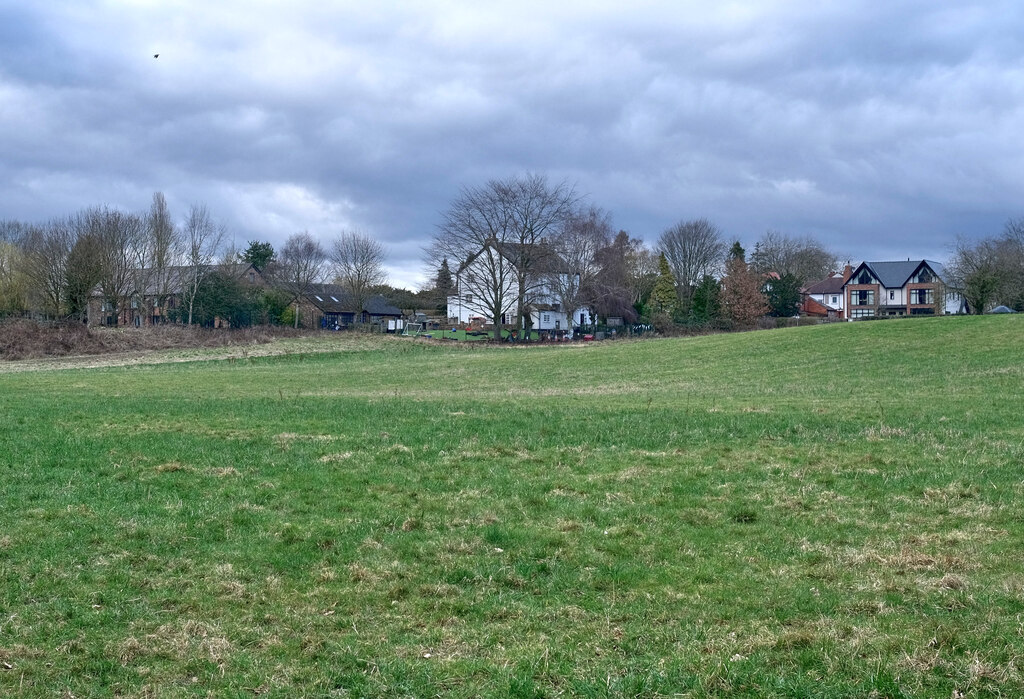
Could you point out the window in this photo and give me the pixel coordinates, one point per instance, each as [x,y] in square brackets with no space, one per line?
[335,299]
[862,313]
[252,277]
[892,295]
[318,298]
[862,297]
[922,296]
[835,299]
[864,278]
[547,318]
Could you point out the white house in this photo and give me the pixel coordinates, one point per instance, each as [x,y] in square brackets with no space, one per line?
[488,280]
[828,293]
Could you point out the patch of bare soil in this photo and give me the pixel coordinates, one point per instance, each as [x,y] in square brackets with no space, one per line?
[56,345]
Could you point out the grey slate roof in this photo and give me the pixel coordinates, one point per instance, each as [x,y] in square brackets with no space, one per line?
[894,275]
[829,285]
[332,298]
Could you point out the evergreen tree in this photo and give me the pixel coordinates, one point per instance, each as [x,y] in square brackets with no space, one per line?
[444,285]
[707,300]
[258,254]
[783,294]
[664,299]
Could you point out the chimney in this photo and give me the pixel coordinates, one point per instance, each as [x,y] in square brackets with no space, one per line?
[847,271]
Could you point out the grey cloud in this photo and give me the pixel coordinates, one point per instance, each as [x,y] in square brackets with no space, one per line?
[883,129]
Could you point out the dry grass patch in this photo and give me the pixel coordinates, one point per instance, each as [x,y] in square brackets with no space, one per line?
[172,467]
[359,573]
[225,472]
[178,641]
[949,581]
[335,458]
[286,438]
[909,559]
[881,432]
[952,492]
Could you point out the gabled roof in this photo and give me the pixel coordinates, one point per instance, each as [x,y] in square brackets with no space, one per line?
[894,275]
[380,306]
[332,298]
[829,285]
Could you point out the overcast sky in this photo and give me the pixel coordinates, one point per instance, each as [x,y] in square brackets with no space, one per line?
[884,129]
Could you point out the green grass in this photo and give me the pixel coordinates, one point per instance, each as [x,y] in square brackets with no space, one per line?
[825,511]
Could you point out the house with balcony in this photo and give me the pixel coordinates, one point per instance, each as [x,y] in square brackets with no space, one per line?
[888,289]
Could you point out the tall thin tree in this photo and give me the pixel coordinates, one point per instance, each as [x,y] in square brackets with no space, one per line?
[358,262]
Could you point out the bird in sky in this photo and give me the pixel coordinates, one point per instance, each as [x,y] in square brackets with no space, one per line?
[156,55]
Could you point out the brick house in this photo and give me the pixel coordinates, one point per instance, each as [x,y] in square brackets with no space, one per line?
[154,299]
[886,289]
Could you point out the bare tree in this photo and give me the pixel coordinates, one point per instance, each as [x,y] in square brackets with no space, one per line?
[472,227]
[642,268]
[358,265]
[500,234]
[803,257]
[117,235]
[990,271]
[44,255]
[302,263]
[573,280]
[1012,249]
[693,249]
[202,238]
[12,284]
[162,253]
[538,212]
[84,268]
[626,276]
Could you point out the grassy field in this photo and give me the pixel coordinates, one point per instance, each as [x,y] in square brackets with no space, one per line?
[823,511]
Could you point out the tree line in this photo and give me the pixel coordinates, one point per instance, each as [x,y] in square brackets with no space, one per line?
[525,237]
[990,272]
[516,240]
[166,271]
